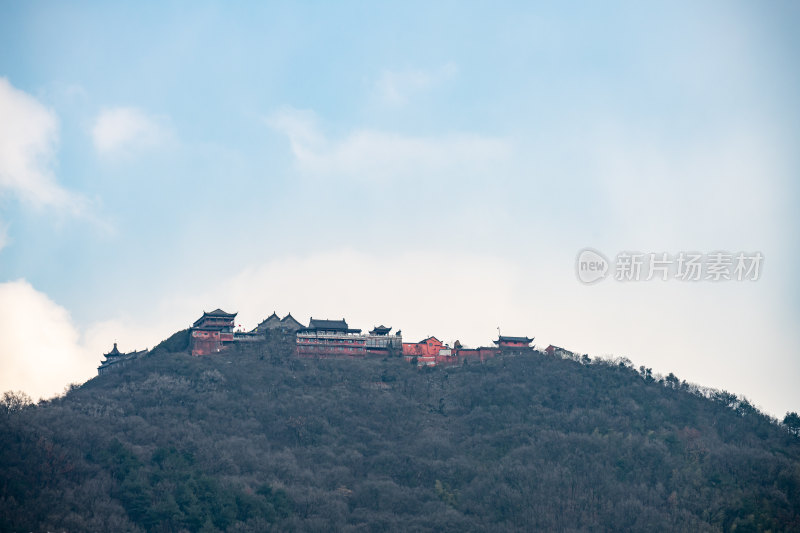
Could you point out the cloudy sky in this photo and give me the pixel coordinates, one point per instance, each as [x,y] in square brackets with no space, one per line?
[436,167]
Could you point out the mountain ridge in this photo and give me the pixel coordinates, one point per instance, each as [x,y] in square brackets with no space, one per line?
[254,439]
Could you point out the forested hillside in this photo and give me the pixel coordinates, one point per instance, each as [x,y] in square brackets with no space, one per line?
[256,440]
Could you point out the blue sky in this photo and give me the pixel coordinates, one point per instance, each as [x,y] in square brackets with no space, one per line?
[436,167]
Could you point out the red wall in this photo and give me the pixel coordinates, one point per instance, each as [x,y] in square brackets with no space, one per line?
[476,354]
[428,348]
[514,344]
[311,347]
[205,342]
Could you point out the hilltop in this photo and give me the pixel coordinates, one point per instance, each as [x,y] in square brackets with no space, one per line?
[254,439]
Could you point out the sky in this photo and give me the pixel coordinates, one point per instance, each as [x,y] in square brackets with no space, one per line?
[433,166]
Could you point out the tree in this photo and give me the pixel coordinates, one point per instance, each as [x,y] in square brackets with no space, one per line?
[792,423]
[14,401]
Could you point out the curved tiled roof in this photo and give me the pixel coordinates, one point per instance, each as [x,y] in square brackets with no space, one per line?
[504,338]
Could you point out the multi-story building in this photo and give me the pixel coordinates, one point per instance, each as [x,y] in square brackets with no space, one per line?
[211,332]
[330,338]
[381,342]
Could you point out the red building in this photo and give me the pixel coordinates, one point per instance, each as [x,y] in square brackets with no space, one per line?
[513,343]
[211,332]
[427,351]
[330,338]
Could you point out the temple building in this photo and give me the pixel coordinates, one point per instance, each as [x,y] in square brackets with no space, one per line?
[287,325]
[290,325]
[380,341]
[212,332]
[273,321]
[330,338]
[560,352]
[426,351]
[513,343]
[116,359]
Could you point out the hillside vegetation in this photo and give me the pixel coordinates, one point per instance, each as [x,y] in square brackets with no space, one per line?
[256,440]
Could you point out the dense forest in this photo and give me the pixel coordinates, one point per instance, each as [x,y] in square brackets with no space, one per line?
[254,439]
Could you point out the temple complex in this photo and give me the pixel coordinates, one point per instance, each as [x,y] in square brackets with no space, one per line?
[216,330]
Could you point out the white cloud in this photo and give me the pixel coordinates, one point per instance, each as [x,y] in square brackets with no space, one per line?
[693,194]
[370,155]
[40,346]
[301,127]
[121,129]
[28,140]
[396,87]
[42,350]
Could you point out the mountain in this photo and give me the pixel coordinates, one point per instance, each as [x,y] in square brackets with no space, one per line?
[254,439]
